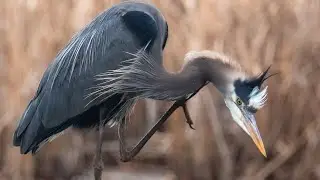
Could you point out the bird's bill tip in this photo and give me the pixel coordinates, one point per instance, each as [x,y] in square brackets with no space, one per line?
[255,136]
[259,143]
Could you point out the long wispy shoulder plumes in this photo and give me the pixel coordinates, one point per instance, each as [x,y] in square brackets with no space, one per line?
[141,77]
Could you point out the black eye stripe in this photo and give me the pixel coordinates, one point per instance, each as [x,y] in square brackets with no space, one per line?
[242,91]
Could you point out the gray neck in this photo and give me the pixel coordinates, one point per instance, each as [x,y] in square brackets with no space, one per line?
[219,73]
[193,75]
[173,86]
[145,78]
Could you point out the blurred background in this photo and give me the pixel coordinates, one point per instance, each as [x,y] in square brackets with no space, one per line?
[257,33]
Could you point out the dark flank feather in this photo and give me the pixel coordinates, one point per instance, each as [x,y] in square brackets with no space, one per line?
[100,46]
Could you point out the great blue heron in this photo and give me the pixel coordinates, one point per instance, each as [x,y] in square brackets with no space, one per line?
[116,60]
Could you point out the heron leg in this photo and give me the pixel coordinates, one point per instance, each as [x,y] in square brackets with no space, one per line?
[186,111]
[126,155]
[187,115]
[98,163]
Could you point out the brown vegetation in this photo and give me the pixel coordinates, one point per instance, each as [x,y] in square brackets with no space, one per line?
[256,32]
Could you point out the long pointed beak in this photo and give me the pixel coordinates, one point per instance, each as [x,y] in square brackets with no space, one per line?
[253,131]
[245,119]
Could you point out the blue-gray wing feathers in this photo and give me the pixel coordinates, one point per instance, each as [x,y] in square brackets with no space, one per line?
[99,47]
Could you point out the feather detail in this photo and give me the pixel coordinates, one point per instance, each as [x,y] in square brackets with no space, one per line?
[257,99]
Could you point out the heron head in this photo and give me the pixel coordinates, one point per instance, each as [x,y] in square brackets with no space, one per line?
[244,101]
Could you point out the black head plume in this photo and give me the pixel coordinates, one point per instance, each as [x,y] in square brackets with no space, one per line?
[244,88]
[258,81]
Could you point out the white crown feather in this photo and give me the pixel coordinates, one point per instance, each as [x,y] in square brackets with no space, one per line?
[257,99]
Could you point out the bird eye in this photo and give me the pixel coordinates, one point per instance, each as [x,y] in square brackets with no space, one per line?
[239,102]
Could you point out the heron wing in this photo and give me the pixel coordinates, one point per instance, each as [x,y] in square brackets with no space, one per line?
[97,48]
[142,25]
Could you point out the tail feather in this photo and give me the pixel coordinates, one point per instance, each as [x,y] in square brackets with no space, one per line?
[31,134]
[28,127]
[24,122]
